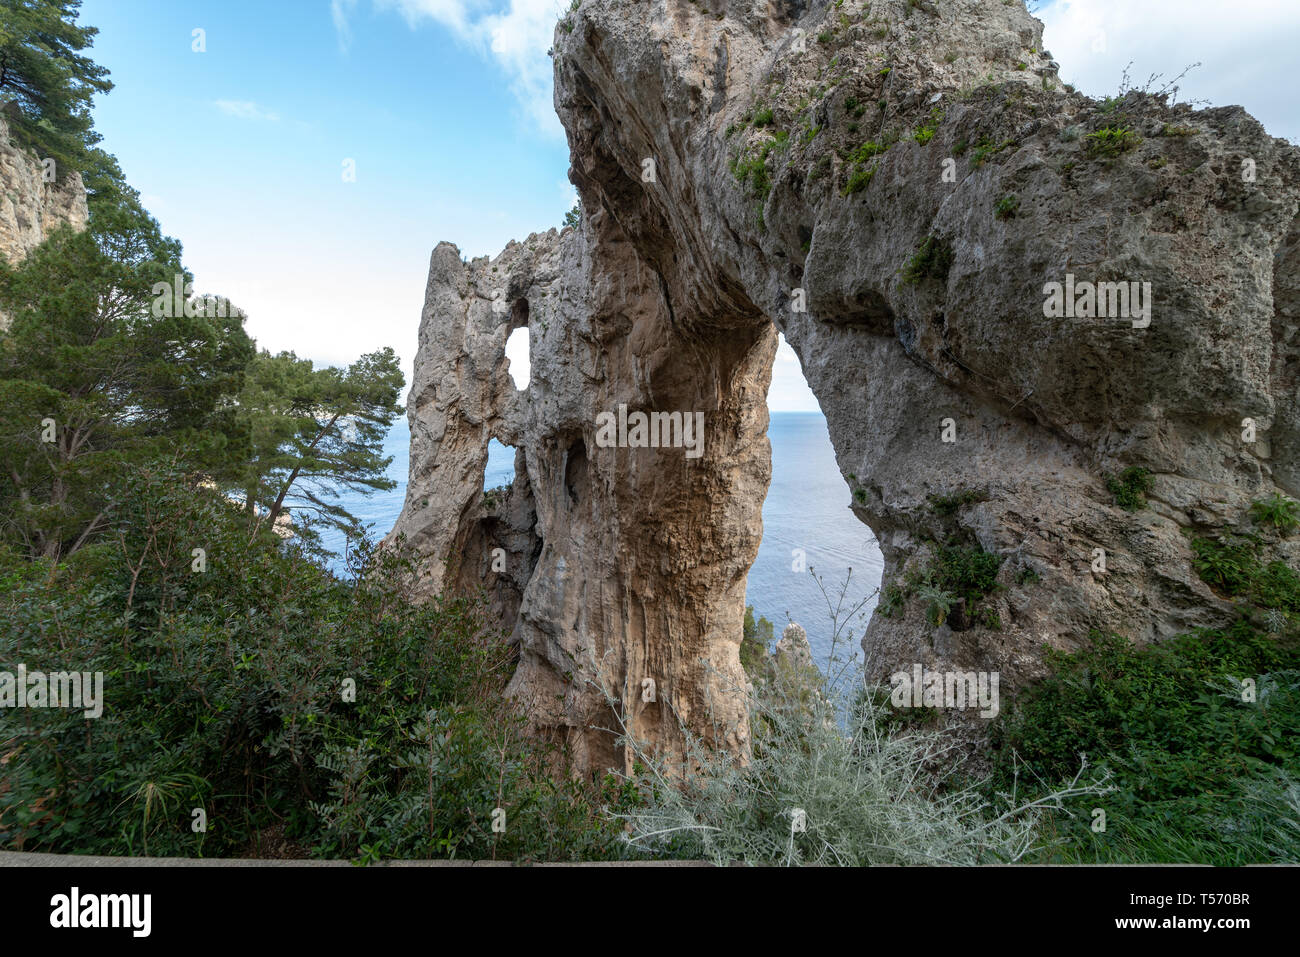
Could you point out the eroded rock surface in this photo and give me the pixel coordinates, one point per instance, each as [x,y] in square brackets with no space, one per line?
[891,185]
[30,207]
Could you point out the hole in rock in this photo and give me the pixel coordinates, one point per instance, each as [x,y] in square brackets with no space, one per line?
[519,367]
[500,470]
[807,525]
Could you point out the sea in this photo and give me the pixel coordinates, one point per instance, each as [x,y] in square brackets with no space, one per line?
[809,533]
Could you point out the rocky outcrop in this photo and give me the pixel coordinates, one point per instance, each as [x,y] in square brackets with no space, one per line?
[33,201]
[894,186]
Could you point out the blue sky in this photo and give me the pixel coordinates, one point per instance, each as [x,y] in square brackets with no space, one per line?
[444,108]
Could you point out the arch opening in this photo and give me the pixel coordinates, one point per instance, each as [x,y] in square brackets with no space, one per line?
[813,545]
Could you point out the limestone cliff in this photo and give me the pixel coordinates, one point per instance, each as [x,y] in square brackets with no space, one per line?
[893,185]
[31,206]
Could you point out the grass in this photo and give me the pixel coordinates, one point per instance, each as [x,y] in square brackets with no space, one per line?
[1006,207]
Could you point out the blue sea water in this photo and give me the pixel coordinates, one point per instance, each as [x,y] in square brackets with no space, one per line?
[807,508]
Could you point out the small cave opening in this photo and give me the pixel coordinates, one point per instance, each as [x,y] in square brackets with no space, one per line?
[576,474]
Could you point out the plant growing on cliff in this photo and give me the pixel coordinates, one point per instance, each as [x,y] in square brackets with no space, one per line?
[1276,510]
[932,260]
[1130,488]
[938,603]
[1110,141]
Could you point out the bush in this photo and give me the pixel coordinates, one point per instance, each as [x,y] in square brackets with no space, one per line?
[226,690]
[865,795]
[932,260]
[1110,141]
[1196,767]
[1130,488]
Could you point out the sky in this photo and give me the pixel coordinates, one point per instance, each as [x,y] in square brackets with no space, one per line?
[311,153]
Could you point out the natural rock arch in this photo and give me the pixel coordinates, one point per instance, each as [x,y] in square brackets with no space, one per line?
[713,148]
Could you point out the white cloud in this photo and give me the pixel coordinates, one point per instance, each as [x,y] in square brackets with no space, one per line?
[245,110]
[340,10]
[1246,51]
[515,34]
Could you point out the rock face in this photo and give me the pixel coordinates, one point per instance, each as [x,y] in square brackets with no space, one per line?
[30,207]
[893,186]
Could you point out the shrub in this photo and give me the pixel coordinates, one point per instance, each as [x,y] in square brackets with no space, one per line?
[1130,488]
[1006,207]
[932,260]
[865,795]
[1201,775]
[858,180]
[225,690]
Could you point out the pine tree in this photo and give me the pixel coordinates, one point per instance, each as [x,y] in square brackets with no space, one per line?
[46,85]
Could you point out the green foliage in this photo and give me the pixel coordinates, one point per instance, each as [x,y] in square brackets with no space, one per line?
[1233,567]
[1196,767]
[1229,566]
[226,689]
[867,150]
[1027,576]
[755,642]
[1276,510]
[967,571]
[574,216]
[1130,488]
[938,603]
[313,431]
[764,117]
[932,260]
[1006,207]
[46,84]
[951,504]
[985,148]
[957,573]
[88,350]
[1110,141]
[858,180]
